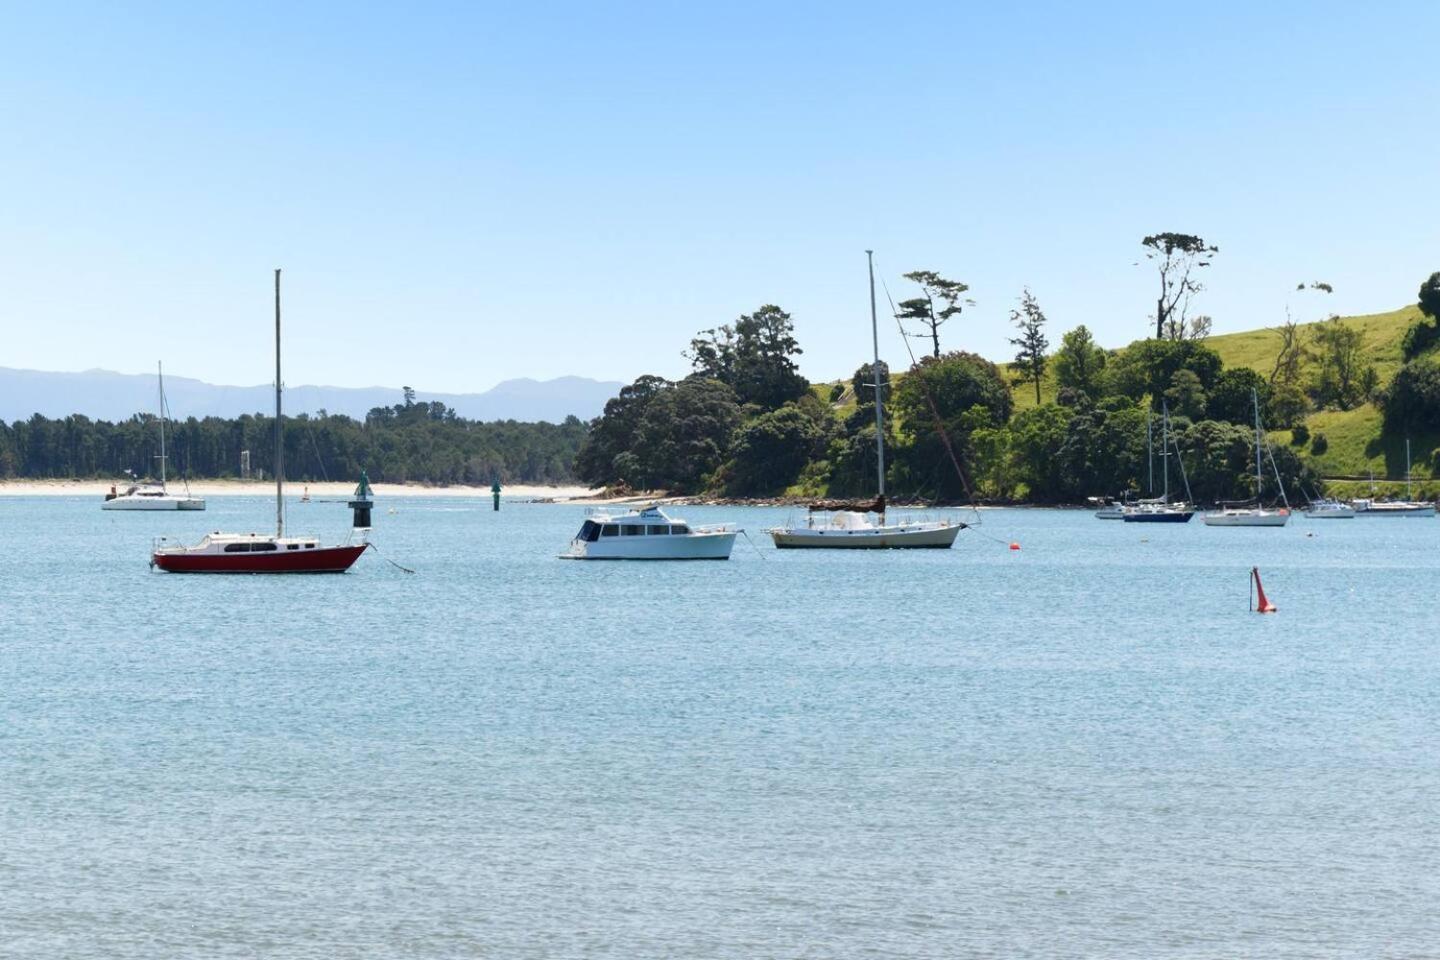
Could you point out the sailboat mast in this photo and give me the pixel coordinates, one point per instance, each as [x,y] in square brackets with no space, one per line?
[160,372]
[279,441]
[1259,470]
[875,373]
[1150,451]
[1408,496]
[1165,447]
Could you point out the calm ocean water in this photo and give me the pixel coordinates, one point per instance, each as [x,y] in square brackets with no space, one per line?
[1084,748]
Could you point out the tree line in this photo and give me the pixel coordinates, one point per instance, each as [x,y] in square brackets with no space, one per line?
[409,442]
[744,422]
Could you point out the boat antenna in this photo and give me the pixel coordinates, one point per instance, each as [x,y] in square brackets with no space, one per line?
[875,373]
[279,441]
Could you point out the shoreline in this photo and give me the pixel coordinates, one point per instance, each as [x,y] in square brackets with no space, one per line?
[252,488]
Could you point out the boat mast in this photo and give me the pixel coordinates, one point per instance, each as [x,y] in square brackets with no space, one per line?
[875,373]
[1165,447]
[1259,470]
[1150,451]
[1407,471]
[279,441]
[160,371]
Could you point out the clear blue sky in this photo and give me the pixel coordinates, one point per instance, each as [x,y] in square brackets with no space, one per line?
[463,193]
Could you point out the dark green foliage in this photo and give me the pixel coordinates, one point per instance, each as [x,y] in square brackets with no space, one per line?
[1030,360]
[683,435]
[1230,397]
[416,443]
[1420,337]
[1412,401]
[613,432]
[1300,436]
[770,451]
[956,383]
[1430,296]
[755,358]
[1320,445]
[1079,363]
[1148,367]
[1185,396]
[836,392]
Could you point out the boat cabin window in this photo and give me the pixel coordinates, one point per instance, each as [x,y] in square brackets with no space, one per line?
[610,530]
[262,547]
[309,546]
[237,548]
[631,529]
[589,532]
[292,546]
[658,528]
[680,530]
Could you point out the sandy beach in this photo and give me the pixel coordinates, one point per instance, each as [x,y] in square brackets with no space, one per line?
[250,488]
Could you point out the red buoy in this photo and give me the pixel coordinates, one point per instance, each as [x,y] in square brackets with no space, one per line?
[1014,545]
[1263,604]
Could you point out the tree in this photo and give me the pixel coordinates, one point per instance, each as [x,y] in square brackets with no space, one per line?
[683,435]
[1337,382]
[613,432]
[1412,401]
[753,357]
[1430,296]
[409,394]
[955,383]
[1185,395]
[1030,360]
[1147,367]
[951,295]
[770,451]
[1079,363]
[1286,370]
[1230,398]
[1177,256]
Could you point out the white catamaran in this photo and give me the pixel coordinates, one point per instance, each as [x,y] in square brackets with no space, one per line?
[863,525]
[152,496]
[1256,515]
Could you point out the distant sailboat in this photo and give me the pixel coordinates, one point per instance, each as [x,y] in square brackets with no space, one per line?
[1243,515]
[151,496]
[1396,508]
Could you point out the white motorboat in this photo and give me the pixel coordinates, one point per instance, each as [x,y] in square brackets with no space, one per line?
[153,496]
[1256,515]
[1160,509]
[850,525]
[1107,509]
[1328,509]
[648,533]
[1396,508]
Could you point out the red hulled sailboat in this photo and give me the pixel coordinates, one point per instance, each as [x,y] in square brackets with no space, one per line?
[256,552]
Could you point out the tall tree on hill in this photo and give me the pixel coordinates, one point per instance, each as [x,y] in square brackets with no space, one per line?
[1032,342]
[1338,382]
[1177,256]
[1430,296]
[942,300]
[754,357]
[1079,362]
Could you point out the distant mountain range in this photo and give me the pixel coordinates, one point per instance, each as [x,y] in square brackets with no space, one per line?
[105,395]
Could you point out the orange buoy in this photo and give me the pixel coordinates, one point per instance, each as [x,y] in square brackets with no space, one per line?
[1014,545]
[1263,604]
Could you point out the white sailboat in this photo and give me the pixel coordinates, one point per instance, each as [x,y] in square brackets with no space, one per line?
[851,525]
[1242,515]
[152,496]
[1396,508]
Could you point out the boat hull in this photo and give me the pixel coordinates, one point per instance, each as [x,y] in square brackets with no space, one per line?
[1181,516]
[153,503]
[319,560]
[937,537]
[1268,518]
[695,546]
[1388,510]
